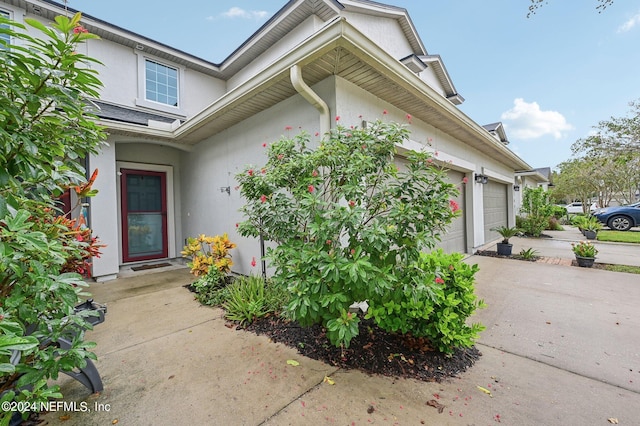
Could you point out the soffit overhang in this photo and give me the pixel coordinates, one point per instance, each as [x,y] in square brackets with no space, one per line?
[340,50]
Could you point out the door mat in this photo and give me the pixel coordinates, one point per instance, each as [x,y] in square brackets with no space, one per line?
[145,267]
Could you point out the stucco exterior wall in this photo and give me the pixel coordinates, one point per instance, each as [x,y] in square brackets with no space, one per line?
[214,162]
[385,32]
[429,77]
[122,75]
[353,102]
[292,39]
[104,212]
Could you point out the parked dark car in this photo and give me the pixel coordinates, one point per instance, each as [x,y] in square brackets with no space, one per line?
[621,218]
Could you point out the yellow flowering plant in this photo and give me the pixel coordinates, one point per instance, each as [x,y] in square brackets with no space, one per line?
[206,251]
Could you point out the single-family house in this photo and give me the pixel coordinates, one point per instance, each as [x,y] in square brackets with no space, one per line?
[181,127]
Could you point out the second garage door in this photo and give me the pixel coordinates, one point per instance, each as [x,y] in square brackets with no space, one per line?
[495,203]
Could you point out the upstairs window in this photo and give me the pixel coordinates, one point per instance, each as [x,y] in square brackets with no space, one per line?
[3,36]
[161,83]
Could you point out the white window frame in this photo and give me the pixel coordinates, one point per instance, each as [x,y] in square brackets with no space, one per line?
[142,100]
[17,16]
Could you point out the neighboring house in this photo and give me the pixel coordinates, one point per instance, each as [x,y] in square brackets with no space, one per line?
[181,127]
[540,177]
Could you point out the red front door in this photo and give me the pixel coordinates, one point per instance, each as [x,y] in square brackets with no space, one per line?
[144,215]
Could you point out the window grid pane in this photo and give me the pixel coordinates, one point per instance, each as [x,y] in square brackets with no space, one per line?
[5,37]
[161,83]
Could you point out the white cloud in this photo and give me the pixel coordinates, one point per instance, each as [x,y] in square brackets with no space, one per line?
[632,22]
[237,12]
[528,121]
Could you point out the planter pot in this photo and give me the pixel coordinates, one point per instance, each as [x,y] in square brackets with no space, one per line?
[591,235]
[585,262]
[504,249]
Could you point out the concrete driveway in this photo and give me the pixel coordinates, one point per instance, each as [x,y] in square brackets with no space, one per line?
[561,347]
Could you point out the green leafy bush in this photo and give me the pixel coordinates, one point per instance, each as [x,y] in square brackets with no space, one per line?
[249,298]
[347,225]
[536,209]
[45,129]
[436,308]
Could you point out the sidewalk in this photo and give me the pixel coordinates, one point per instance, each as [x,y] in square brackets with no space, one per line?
[560,347]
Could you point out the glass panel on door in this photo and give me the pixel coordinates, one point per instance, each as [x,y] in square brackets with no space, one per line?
[144,215]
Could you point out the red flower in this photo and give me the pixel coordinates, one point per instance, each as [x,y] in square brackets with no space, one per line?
[328,242]
[384,112]
[317,133]
[253,261]
[454,206]
[250,172]
[337,118]
[435,153]
[439,280]
[263,170]
[80,29]
[280,156]
[465,179]
[263,198]
[311,188]
[288,127]
[315,173]
[364,147]
[353,251]
[237,225]
[352,203]
[264,145]
[409,118]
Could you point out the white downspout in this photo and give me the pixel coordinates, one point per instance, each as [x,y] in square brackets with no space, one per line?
[312,97]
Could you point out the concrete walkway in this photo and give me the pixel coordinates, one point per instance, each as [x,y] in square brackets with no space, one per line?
[561,347]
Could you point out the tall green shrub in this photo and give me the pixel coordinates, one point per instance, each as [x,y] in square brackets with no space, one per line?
[537,210]
[347,225]
[45,130]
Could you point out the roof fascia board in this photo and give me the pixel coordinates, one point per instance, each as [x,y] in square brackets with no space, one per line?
[321,41]
[91,22]
[412,82]
[336,33]
[274,21]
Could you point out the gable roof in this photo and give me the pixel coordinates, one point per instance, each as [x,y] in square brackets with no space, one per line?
[339,49]
[336,49]
[497,129]
[292,14]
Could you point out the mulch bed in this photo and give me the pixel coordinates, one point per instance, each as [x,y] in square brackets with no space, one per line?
[373,351]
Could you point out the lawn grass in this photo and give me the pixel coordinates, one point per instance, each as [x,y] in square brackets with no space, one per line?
[619,236]
[623,268]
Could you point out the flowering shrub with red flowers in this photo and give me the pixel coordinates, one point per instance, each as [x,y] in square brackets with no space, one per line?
[347,226]
[44,132]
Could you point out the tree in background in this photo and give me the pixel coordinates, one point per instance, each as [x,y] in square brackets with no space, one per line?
[613,154]
[537,210]
[536,4]
[45,130]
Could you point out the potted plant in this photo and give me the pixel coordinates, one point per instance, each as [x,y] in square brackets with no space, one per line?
[504,248]
[580,221]
[591,227]
[585,253]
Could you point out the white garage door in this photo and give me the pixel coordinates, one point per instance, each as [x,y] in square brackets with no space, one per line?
[454,239]
[495,208]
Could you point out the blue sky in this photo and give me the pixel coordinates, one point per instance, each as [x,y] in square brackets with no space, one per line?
[549,78]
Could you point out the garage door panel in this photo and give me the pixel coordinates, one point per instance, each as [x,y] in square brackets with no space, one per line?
[495,201]
[454,238]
